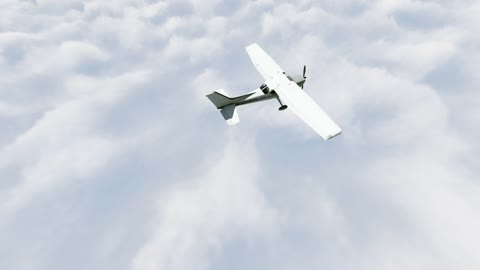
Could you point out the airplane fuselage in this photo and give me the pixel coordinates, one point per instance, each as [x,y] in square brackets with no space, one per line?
[256,95]
[262,93]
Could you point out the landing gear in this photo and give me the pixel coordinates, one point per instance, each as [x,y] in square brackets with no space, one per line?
[283,106]
[265,89]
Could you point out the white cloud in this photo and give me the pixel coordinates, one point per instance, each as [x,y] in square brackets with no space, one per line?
[69,163]
[54,149]
[439,199]
[93,139]
[195,219]
[63,58]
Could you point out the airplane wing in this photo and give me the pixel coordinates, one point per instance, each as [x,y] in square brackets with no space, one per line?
[263,62]
[304,107]
[291,94]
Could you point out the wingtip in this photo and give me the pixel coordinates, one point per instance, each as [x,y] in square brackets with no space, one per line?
[334,135]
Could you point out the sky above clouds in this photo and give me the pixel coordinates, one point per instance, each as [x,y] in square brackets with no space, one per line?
[111,156]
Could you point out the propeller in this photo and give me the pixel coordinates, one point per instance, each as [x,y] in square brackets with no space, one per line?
[304,71]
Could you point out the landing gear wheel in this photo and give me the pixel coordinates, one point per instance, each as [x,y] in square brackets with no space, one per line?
[283,107]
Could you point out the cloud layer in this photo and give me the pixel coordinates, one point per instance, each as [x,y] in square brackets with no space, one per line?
[112,158]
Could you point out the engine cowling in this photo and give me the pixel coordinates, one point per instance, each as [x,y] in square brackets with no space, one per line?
[265,89]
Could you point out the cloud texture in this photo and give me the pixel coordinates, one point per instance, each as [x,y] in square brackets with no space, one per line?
[111,157]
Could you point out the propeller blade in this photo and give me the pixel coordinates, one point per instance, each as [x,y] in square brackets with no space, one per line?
[304,71]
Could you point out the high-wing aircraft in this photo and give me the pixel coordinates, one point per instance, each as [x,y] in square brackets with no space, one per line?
[288,90]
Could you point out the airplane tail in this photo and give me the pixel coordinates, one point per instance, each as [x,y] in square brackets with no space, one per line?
[220,99]
[227,108]
[230,114]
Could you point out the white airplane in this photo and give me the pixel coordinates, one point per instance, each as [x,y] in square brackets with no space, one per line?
[288,90]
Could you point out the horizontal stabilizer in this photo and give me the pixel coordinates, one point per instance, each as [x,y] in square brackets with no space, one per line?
[230,114]
[219,99]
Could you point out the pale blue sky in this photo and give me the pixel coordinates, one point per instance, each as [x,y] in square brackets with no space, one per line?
[111,156]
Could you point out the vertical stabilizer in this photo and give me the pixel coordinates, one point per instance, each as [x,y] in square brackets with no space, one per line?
[230,114]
